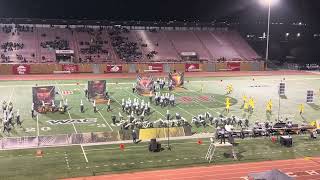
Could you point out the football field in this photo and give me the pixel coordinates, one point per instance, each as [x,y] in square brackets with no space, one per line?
[191,101]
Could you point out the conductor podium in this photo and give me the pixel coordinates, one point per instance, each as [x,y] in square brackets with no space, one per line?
[213,147]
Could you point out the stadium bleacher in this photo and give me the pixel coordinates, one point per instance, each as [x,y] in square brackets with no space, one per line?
[31,44]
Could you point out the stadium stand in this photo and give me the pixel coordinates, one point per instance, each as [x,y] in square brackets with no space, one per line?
[117,44]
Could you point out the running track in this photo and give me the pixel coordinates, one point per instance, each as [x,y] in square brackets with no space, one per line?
[300,169]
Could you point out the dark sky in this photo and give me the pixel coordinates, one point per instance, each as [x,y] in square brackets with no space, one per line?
[204,10]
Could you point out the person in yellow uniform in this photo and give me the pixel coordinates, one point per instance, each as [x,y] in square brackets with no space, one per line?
[244,98]
[246,106]
[301,108]
[251,104]
[228,104]
[229,89]
[269,106]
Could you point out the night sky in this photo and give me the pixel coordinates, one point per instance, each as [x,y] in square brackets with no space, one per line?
[203,10]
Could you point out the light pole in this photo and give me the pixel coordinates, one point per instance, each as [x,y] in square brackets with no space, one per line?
[269,4]
[268,32]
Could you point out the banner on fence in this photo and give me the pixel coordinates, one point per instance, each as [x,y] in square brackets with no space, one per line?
[192,67]
[21,69]
[233,66]
[114,68]
[70,67]
[155,68]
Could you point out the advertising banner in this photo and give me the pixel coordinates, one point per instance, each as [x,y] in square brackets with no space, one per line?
[192,67]
[114,68]
[70,67]
[233,66]
[21,69]
[155,67]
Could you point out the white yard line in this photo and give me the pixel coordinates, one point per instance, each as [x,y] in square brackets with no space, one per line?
[84,153]
[105,120]
[38,132]
[98,111]
[11,95]
[60,92]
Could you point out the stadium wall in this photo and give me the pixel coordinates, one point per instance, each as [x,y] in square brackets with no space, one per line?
[10,69]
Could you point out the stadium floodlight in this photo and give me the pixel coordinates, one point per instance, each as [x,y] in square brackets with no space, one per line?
[268,3]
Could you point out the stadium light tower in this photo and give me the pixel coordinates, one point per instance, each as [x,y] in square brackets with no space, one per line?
[268,3]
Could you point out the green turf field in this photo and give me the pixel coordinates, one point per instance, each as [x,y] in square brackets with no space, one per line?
[66,162]
[61,162]
[190,102]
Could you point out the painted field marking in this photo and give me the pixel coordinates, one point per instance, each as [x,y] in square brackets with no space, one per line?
[84,153]
[74,127]
[38,132]
[66,160]
[98,111]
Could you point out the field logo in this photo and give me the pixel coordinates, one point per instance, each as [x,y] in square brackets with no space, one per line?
[73,121]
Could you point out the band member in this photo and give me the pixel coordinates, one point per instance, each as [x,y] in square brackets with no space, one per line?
[43,107]
[81,106]
[32,110]
[123,105]
[133,88]
[150,97]
[94,106]
[61,108]
[86,92]
[108,106]
[53,106]
[10,107]
[18,120]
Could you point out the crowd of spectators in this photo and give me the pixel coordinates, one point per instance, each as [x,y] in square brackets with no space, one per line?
[57,44]
[20,28]
[95,47]
[7,29]
[11,46]
[5,59]
[126,50]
